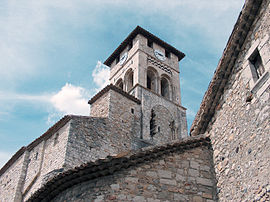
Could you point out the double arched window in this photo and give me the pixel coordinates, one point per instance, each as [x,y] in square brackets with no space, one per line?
[160,85]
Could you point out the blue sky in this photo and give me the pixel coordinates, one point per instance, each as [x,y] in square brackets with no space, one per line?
[52,53]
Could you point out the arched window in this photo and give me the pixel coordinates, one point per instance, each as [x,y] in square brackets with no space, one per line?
[151,80]
[120,84]
[129,80]
[165,88]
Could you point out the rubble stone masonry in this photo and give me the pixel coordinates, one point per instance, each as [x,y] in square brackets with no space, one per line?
[240,128]
[180,176]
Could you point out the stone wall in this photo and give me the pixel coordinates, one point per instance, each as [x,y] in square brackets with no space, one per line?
[151,100]
[34,165]
[9,180]
[163,121]
[45,160]
[92,138]
[125,120]
[180,176]
[89,139]
[240,127]
[100,108]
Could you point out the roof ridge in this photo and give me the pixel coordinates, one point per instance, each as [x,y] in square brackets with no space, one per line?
[115,88]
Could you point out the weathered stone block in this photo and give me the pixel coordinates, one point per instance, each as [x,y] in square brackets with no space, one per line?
[151,174]
[115,187]
[180,197]
[207,195]
[132,179]
[197,199]
[139,199]
[204,181]
[194,164]
[165,174]
[167,181]
[193,172]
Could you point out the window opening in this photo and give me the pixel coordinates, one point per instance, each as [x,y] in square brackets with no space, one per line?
[167,54]
[173,129]
[130,45]
[129,81]
[148,82]
[120,84]
[149,43]
[164,88]
[151,80]
[117,59]
[152,124]
[56,139]
[36,156]
[256,61]
[132,110]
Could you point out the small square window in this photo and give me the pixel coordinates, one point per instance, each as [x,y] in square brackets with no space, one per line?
[167,54]
[132,110]
[149,43]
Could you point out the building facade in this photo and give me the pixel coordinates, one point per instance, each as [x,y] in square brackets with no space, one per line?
[134,145]
[140,108]
[235,111]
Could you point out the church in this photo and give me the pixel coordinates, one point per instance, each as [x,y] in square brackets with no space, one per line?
[135,146]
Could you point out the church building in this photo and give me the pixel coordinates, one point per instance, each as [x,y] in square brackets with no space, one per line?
[134,145]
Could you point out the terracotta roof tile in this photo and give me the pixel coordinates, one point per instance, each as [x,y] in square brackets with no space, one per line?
[115,88]
[112,164]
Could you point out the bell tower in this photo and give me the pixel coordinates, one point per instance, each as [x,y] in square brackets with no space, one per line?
[147,67]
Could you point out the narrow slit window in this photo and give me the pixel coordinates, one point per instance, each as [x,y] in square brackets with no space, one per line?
[150,43]
[256,61]
[167,54]
[56,139]
[117,59]
[130,45]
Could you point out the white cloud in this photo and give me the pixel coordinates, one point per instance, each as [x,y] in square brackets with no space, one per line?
[71,100]
[101,75]
[26,97]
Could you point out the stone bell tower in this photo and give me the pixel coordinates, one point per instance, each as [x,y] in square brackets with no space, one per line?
[147,67]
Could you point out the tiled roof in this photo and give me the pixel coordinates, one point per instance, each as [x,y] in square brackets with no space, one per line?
[109,165]
[115,88]
[216,87]
[46,135]
[132,35]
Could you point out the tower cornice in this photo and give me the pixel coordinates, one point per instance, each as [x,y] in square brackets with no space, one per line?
[132,35]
